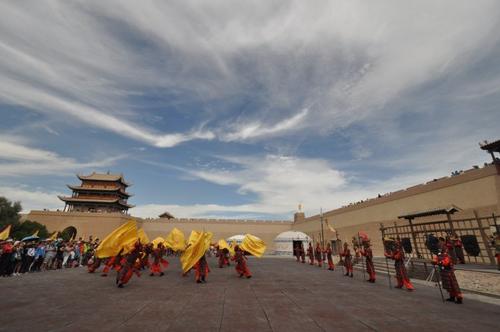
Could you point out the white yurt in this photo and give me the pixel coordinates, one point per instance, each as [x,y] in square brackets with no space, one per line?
[236,238]
[283,243]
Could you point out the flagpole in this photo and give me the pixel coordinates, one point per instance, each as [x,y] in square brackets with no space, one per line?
[322,231]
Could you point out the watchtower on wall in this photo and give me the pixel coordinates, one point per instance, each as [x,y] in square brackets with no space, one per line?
[98,192]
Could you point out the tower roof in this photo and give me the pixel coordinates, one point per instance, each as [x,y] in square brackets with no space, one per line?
[104,177]
[97,201]
[112,189]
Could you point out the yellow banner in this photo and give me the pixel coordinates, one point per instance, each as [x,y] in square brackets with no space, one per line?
[141,234]
[200,242]
[123,237]
[157,241]
[54,236]
[253,245]
[4,235]
[223,245]
[175,240]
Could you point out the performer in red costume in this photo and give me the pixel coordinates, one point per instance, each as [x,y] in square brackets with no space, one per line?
[328,251]
[447,274]
[241,263]
[310,254]
[201,270]
[130,264]
[318,255]
[93,264]
[302,253]
[459,249]
[147,250]
[367,252]
[158,260]
[223,255]
[347,258]
[399,264]
[296,253]
[112,263]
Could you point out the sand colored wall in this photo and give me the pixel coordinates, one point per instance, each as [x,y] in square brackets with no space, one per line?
[222,229]
[96,224]
[100,224]
[474,190]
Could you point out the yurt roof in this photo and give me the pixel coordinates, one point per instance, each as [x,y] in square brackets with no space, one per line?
[237,237]
[292,236]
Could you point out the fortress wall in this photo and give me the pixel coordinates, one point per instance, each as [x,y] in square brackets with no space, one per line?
[96,224]
[222,229]
[474,190]
[101,224]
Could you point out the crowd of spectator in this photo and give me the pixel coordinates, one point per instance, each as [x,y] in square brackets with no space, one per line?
[18,257]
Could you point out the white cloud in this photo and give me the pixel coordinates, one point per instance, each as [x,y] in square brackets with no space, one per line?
[258,129]
[32,199]
[19,160]
[87,60]
[279,182]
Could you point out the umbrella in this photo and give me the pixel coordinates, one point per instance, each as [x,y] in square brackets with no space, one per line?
[30,238]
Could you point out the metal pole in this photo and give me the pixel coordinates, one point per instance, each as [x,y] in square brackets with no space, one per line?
[439,282]
[322,231]
[362,259]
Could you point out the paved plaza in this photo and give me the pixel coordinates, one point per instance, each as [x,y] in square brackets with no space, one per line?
[282,296]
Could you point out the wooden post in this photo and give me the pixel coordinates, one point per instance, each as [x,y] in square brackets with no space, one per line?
[396,229]
[485,238]
[414,237]
[450,223]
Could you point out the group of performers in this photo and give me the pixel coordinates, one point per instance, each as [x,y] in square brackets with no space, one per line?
[143,257]
[319,255]
[444,261]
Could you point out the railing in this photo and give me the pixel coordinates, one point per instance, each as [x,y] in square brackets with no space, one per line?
[475,233]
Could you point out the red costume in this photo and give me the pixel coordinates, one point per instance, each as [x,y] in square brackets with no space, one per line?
[331,267]
[459,250]
[201,270]
[347,258]
[144,259]
[241,264]
[370,268]
[130,264]
[447,274]
[317,254]
[296,252]
[399,264]
[302,253]
[93,264]
[158,260]
[112,263]
[223,257]
[310,254]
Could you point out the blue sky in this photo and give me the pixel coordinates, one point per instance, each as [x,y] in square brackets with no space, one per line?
[238,109]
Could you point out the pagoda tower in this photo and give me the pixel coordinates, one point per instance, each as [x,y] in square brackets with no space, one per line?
[98,192]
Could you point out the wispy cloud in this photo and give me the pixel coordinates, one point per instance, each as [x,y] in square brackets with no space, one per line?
[20,160]
[261,130]
[88,60]
[32,199]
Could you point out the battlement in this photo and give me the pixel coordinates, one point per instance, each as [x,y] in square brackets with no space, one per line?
[216,221]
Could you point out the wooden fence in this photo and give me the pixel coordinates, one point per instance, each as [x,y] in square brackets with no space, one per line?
[475,233]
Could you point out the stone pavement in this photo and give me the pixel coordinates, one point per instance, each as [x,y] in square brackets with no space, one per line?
[282,296]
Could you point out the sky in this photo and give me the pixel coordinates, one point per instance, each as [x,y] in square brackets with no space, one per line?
[244,109]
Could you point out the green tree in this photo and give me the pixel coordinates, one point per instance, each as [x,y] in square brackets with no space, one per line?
[9,215]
